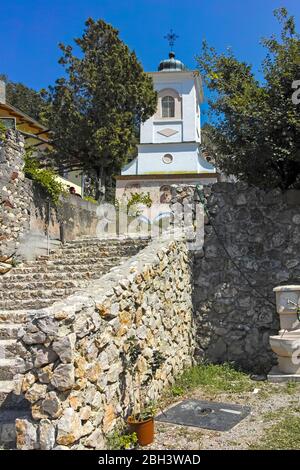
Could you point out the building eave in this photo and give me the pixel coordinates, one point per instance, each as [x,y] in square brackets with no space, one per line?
[192,74]
[192,142]
[27,119]
[162,176]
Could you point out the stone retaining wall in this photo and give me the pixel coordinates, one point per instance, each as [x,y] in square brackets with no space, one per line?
[261,231]
[188,214]
[78,379]
[15,198]
[29,224]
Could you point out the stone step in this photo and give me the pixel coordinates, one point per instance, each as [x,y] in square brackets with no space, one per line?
[107,242]
[10,401]
[34,294]
[110,244]
[7,369]
[106,250]
[30,304]
[13,316]
[74,268]
[10,348]
[51,276]
[96,242]
[7,426]
[83,248]
[67,274]
[90,255]
[9,330]
[43,284]
[71,260]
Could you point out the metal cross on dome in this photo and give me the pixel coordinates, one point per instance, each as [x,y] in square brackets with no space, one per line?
[171,38]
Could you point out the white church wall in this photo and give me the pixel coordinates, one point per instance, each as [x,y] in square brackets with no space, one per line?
[162,81]
[167,125]
[189,112]
[185,159]
[150,161]
[204,166]
[146,135]
[198,124]
[131,168]
[190,118]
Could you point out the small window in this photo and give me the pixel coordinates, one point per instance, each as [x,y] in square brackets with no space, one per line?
[167,158]
[168,107]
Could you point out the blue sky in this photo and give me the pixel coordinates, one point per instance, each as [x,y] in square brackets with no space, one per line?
[30,30]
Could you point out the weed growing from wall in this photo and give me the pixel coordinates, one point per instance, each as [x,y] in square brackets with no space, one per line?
[43,177]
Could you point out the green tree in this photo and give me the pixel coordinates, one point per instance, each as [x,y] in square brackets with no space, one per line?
[97,108]
[255,127]
[24,98]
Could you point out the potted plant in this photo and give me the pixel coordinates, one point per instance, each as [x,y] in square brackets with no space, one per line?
[142,424]
[141,419]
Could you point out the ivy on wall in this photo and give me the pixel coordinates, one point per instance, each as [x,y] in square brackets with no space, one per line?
[43,177]
[131,205]
[2,131]
[139,198]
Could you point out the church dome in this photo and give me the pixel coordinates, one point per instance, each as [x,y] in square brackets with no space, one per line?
[171,64]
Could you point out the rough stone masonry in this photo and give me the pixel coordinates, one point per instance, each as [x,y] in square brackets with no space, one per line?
[77,378]
[15,198]
[261,231]
[29,222]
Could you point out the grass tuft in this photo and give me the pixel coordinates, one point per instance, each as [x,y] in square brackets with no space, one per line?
[212,378]
[284,435]
[292,387]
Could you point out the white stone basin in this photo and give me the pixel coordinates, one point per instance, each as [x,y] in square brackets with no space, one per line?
[287,302]
[286,345]
[286,366]
[289,321]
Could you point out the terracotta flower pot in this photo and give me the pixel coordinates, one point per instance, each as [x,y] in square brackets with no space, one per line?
[143,429]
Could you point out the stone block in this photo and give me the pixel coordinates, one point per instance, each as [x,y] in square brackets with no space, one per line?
[63,377]
[46,434]
[65,348]
[26,435]
[69,428]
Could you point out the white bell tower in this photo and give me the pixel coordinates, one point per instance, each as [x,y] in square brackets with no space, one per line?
[169,150]
[170,139]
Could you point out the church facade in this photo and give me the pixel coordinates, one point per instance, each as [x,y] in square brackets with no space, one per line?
[169,150]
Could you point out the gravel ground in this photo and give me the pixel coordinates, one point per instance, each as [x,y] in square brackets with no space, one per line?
[263,400]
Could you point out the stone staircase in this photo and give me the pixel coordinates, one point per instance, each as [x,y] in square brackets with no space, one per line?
[37,284]
[11,406]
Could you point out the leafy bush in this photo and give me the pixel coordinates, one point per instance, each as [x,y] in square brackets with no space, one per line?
[44,177]
[134,200]
[139,198]
[254,132]
[116,441]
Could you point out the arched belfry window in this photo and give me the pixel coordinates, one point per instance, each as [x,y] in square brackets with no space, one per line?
[168,107]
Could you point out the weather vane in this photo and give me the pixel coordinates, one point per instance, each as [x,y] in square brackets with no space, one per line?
[171,38]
